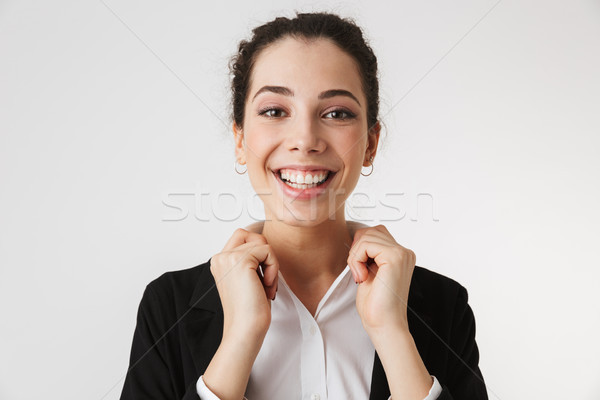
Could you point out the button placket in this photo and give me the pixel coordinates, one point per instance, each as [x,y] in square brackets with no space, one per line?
[312,364]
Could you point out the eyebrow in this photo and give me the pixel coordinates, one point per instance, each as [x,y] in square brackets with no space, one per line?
[274,89]
[337,92]
[323,95]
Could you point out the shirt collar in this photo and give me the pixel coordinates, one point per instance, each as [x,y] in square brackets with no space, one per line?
[206,296]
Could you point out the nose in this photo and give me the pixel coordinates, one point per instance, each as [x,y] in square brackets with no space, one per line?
[304,136]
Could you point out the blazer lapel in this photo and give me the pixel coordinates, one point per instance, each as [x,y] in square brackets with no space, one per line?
[419,323]
[203,327]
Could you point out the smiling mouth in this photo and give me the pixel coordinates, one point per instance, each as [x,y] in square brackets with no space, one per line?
[304,179]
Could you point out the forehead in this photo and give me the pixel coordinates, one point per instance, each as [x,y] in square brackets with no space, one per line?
[306,66]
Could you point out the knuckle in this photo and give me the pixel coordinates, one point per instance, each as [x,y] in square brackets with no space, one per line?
[233,258]
[408,255]
[260,237]
[254,247]
[216,259]
[381,228]
[400,251]
[214,264]
[404,254]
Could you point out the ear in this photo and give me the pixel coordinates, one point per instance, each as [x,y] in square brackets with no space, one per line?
[240,150]
[372,141]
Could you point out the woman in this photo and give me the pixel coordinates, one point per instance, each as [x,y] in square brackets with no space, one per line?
[275,315]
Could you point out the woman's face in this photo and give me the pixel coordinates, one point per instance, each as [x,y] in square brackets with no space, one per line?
[305,135]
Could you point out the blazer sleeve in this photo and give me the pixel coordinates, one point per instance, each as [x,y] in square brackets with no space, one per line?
[152,372]
[464,379]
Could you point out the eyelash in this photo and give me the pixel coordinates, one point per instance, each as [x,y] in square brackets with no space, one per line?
[349,114]
[264,111]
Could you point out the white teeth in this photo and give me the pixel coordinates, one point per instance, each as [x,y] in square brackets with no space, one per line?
[308,179]
[298,186]
[300,181]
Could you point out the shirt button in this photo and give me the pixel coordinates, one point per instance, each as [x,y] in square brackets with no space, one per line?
[313,331]
[314,396]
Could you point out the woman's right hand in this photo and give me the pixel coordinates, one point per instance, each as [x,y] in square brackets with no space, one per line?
[245,297]
[244,293]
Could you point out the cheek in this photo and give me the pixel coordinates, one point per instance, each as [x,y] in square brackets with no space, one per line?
[259,146]
[353,148]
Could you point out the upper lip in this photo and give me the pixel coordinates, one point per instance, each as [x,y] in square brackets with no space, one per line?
[299,167]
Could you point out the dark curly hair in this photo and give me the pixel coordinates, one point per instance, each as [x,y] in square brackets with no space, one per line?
[343,32]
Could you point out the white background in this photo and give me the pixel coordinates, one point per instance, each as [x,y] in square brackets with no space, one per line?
[492,109]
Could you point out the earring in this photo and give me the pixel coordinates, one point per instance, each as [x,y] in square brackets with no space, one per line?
[236,168]
[371,161]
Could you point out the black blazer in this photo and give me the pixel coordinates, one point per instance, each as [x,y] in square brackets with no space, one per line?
[180,324]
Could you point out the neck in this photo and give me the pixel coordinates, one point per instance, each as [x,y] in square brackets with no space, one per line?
[309,254]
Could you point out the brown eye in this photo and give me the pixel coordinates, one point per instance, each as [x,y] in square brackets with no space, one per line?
[339,114]
[272,113]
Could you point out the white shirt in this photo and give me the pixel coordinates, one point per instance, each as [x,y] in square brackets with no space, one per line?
[328,356]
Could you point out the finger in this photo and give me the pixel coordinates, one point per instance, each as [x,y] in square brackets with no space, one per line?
[271,274]
[261,259]
[359,233]
[236,239]
[378,238]
[351,263]
[356,270]
[270,278]
[375,234]
[353,226]
[382,229]
[360,254]
[264,256]
[258,257]
[255,227]
[272,290]
[241,236]
[379,233]
[355,266]
[372,269]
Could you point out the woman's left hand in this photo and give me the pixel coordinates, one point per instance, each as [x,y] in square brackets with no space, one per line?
[383,269]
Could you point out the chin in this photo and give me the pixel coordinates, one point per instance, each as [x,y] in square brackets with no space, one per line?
[305,217]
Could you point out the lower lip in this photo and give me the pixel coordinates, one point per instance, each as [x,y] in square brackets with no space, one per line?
[303,194]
